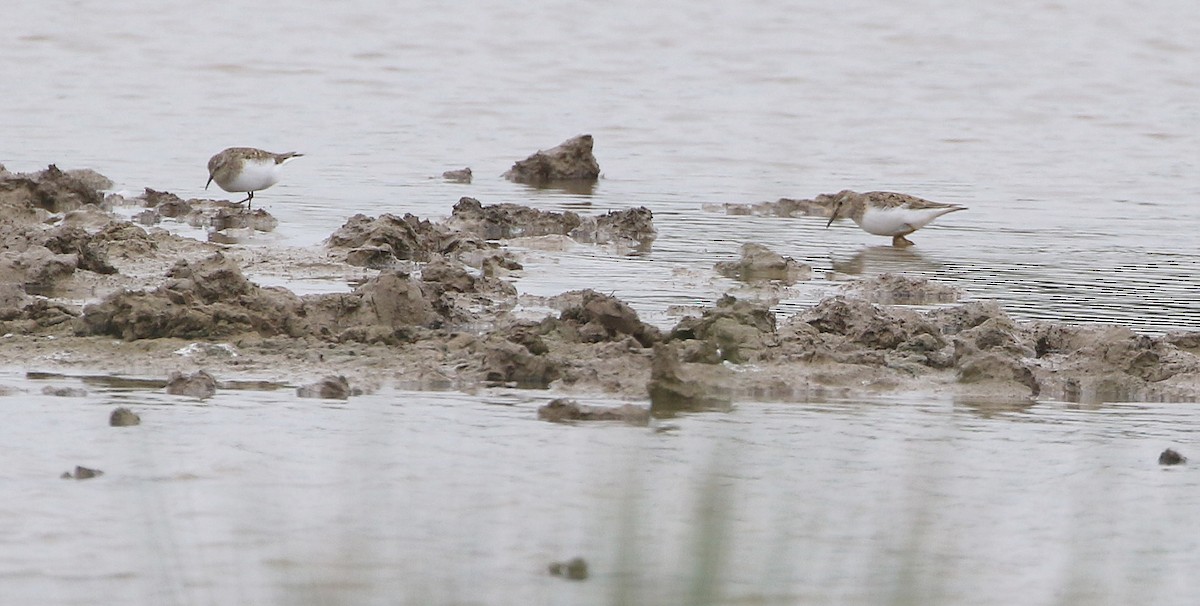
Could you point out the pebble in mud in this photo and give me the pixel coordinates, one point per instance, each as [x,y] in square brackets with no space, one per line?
[1171,457]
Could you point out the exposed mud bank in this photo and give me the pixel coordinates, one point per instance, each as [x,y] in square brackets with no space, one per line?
[434,303]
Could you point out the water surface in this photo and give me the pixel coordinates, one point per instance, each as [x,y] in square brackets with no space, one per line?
[416,498]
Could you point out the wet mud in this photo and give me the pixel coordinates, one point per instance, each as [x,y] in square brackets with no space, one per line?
[434,306]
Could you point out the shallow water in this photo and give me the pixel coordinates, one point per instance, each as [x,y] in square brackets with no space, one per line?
[1070,129]
[417,498]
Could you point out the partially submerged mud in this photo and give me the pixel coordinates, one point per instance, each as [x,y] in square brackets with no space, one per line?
[569,162]
[759,263]
[432,309]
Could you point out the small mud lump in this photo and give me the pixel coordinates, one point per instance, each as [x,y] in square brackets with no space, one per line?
[196,385]
[1171,457]
[575,569]
[123,417]
[571,160]
[330,388]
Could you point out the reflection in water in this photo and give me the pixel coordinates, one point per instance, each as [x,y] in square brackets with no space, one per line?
[576,187]
[993,407]
[884,259]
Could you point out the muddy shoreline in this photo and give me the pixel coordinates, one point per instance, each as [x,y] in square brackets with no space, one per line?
[437,305]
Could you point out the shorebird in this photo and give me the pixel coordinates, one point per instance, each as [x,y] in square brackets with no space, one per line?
[886,213]
[246,169]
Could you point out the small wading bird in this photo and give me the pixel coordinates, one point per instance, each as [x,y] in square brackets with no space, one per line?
[245,169]
[885,213]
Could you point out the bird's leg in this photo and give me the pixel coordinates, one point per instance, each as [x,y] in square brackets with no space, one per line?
[901,242]
[249,199]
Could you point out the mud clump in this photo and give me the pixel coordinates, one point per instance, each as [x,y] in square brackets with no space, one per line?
[166,204]
[1111,363]
[461,175]
[867,325]
[43,260]
[37,270]
[677,387]
[575,569]
[632,227]
[459,296]
[571,160]
[226,222]
[199,385]
[735,330]
[123,417]
[333,387]
[379,242]
[505,363]
[35,316]
[209,298]
[81,473]
[1171,457]
[898,289]
[759,263]
[52,190]
[507,221]
[592,317]
[386,309]
[563,410]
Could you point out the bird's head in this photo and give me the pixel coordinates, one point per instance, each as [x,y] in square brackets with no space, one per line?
[841,201]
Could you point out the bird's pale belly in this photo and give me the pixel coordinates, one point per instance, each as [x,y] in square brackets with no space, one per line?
[253,177]
[893,222]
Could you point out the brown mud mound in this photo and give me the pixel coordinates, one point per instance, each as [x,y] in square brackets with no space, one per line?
[592,317]
[52,190]
[735,330]
[571,160]
[36,316]
[677,386]
[460,175]
[507,221]
[632,227]
[1112,363]
[503,362]
[199,384]
[123,417]
[209,298]
[43,260]
[378,242]
[759,263]
[227,222]
[899,289]
[563,410]
[332,387]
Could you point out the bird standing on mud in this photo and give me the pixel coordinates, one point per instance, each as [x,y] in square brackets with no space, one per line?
[246,169]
